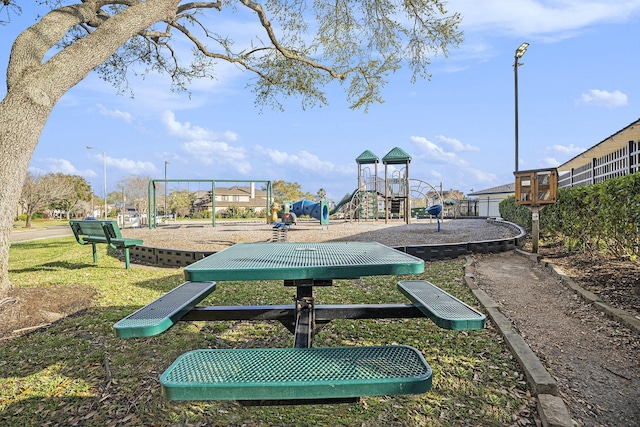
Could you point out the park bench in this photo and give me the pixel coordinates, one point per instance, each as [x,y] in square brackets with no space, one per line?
[94,232]
[443,309]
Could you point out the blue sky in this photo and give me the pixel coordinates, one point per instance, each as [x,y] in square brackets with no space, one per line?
[578,85]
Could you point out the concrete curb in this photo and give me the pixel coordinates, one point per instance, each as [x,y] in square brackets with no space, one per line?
[551,408]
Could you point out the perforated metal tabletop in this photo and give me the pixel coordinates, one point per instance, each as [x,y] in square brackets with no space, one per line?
[308,260]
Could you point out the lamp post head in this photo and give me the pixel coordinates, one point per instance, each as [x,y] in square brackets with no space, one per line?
[521,50]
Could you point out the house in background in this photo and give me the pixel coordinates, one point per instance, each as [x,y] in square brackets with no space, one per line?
[617,155]
[247,197]
[489,199]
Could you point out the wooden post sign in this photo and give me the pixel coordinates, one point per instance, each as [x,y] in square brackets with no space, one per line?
[535,189]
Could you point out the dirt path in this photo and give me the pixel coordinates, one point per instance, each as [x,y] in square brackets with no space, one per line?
[595,360]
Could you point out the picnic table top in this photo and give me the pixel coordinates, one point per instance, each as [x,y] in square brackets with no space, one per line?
[303,260]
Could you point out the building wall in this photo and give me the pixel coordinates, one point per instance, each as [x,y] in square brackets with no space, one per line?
[488,205]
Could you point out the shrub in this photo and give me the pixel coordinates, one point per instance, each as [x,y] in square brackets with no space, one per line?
[512,212]
[604,216]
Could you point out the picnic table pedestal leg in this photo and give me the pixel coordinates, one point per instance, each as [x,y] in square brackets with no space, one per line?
[305,317]
[305,310]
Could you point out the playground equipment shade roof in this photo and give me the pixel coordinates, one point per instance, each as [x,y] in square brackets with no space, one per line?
[367,157]
[396,156]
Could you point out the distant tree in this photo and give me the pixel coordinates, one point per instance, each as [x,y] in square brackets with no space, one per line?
[81,192]
[83,209]
[136,191]
[41,191]
[116,199]
[300,46]
[181,202]
[283,190]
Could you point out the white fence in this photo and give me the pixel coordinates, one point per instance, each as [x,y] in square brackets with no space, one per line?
[624,161]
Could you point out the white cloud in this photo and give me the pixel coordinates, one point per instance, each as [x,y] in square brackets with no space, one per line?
[208,147]
[208,151]
[603,98]
[64,166]
[303,160]
[134,167]
[186,130]
[481,176]
[433,151]
[126,117]
[456,144]
[218,152]
[550,161]
[535,17]
[36,171]
[567,149]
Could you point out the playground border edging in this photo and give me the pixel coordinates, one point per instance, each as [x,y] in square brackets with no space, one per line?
[167,257]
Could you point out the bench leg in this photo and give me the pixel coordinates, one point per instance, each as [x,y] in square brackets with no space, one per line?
[126,258]
[95,252]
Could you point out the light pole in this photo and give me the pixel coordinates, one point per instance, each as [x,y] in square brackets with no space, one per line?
[166,162]
[519,52]
[104,188]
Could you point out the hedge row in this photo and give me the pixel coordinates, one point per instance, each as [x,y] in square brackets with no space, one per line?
[603,216]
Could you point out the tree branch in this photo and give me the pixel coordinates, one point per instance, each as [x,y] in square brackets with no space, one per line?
[33,43]
[200,5]
[264,21]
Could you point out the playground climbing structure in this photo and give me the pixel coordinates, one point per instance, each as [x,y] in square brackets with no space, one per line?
[388,196]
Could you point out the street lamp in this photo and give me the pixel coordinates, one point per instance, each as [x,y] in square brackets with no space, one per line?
[166,162]
[104,188]
[519,53]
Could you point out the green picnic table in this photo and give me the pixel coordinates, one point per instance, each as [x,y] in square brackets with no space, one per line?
[302,373]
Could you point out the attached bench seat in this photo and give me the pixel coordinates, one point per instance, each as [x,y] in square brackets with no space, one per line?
[296,373]
[107,232]
[443,309]
[161,314]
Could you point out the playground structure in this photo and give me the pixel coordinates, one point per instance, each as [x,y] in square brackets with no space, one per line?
[153,208]
[392,194]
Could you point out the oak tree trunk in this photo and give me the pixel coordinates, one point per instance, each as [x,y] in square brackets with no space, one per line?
[34,86]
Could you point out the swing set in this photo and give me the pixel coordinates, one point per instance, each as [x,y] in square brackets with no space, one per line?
[152,205]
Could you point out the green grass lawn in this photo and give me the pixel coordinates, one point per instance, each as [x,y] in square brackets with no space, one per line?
[39,223]
[58,375]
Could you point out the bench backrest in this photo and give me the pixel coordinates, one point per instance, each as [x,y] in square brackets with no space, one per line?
[108,229]
[111,229]
[86,228]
